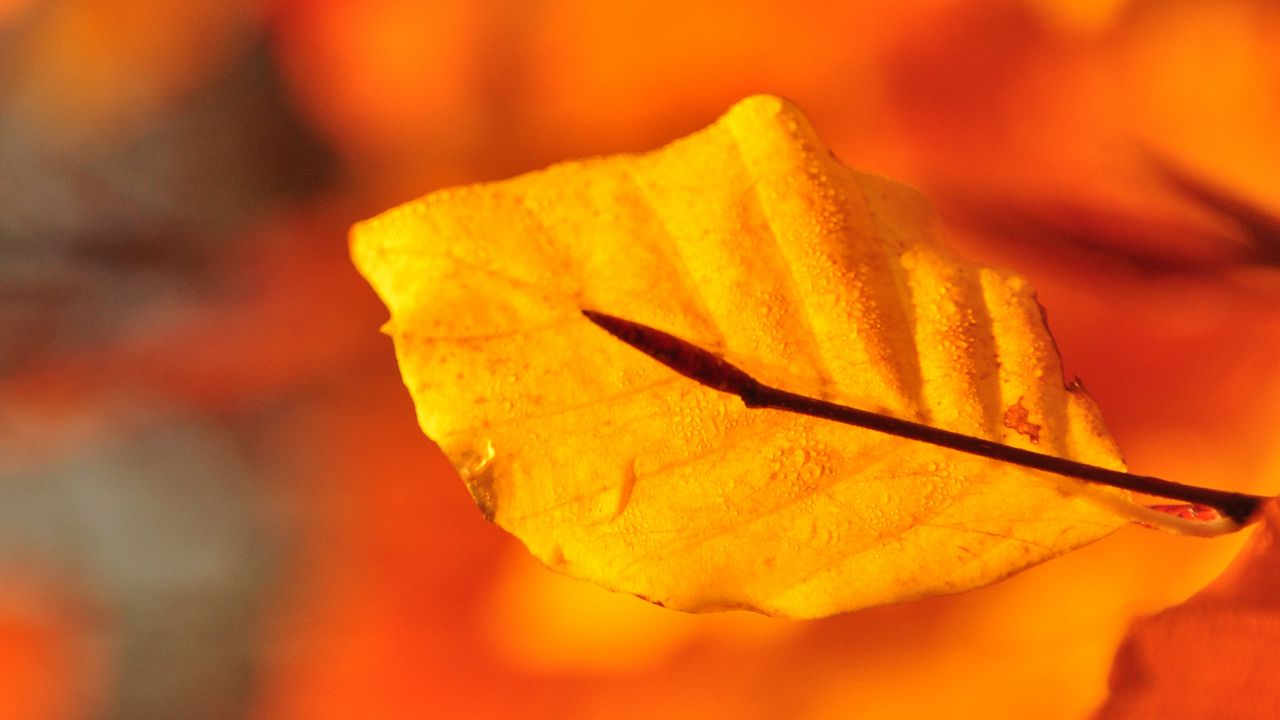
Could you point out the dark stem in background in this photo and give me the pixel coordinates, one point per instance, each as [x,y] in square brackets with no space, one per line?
[715,372]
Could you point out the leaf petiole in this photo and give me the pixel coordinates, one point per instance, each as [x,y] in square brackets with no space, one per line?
[715,372]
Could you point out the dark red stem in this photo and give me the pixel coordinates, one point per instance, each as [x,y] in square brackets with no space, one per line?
[715,372]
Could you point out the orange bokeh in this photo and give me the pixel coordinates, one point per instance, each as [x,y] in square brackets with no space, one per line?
[1046,131]
[47,669]
[88,73]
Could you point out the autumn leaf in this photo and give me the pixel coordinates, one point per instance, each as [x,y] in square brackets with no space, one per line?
[751,240]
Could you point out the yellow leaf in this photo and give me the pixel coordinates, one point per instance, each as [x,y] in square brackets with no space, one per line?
[749,239]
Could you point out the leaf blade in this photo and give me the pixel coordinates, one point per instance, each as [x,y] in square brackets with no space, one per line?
[747,238]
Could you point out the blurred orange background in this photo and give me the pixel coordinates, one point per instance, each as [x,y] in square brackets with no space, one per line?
[214,499]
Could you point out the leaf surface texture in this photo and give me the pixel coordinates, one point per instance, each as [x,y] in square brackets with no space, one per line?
[750,239]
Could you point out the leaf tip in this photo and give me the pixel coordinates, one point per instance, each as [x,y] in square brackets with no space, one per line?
[756,115]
